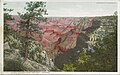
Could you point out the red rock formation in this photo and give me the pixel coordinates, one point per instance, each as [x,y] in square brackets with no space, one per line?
[59,34]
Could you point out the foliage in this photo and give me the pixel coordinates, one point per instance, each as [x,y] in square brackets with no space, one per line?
[104,55]
[29,24]
[7,30]
[69,67]
[25,46]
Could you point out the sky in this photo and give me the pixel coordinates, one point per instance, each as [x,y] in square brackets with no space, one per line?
[70,9]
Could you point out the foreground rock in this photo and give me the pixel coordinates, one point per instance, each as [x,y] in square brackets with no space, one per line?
[14,62]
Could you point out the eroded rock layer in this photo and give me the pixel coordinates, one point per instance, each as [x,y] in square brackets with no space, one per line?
[59,34]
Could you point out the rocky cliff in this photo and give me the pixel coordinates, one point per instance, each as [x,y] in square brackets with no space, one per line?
[61,39]
[57,33]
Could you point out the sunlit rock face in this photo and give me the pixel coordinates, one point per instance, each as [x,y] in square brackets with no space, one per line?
[72,54]
[59,34]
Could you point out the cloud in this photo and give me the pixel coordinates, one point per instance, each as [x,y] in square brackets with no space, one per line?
[70,9]
[76,9]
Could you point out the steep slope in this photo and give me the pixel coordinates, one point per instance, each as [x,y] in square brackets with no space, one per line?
[72,54]
[61,39]
[57,33]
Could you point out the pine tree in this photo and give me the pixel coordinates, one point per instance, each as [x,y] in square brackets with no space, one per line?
[7,30]
[29,25]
